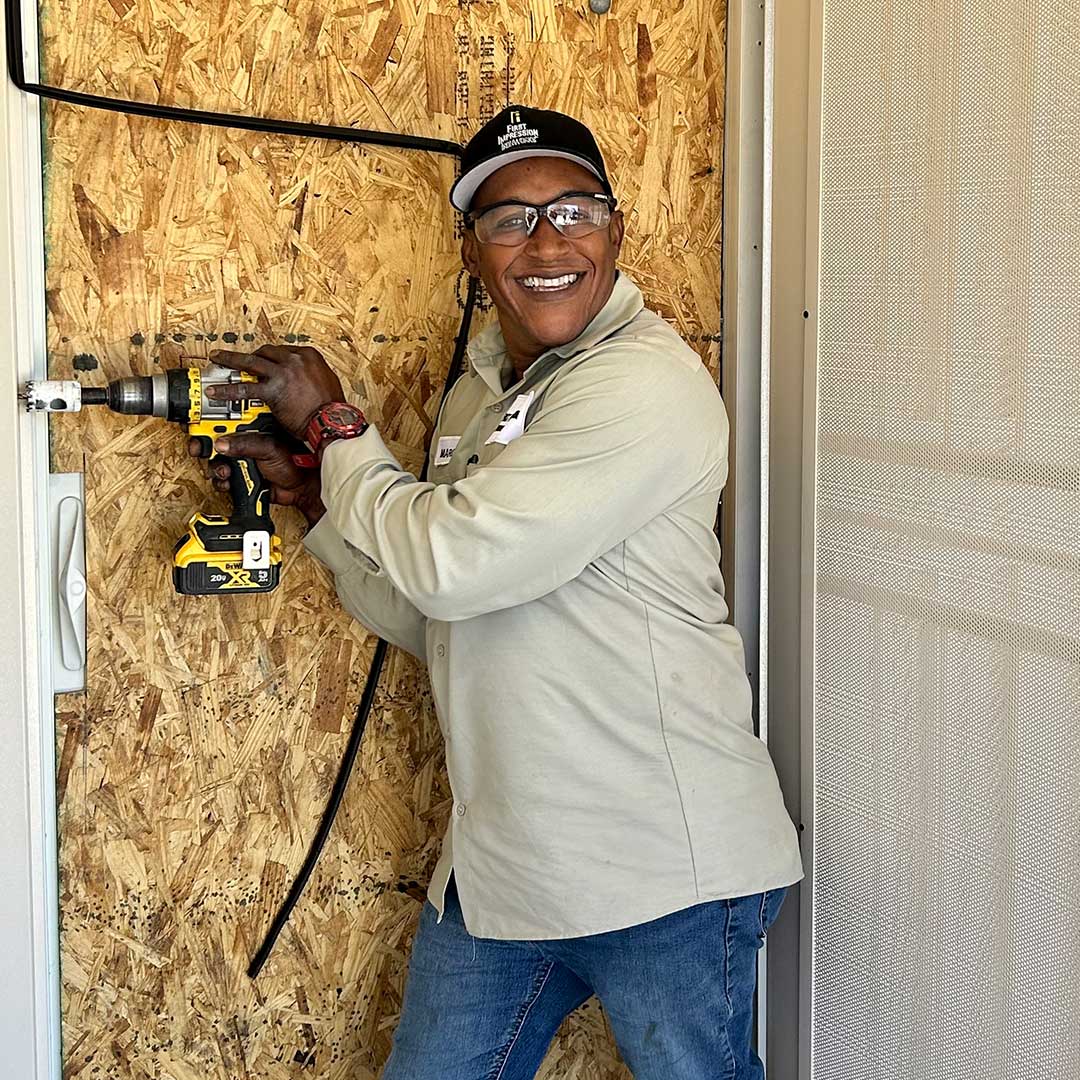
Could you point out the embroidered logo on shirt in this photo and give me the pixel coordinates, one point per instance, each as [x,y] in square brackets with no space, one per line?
[512,425]
[447,446]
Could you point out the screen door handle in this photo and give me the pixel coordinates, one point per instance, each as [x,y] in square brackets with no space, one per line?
[71,583]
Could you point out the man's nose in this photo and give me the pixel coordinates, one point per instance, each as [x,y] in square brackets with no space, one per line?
[546,241]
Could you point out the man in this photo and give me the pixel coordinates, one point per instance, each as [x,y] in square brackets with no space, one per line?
[617,828]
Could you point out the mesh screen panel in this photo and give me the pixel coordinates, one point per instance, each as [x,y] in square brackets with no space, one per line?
[947,694]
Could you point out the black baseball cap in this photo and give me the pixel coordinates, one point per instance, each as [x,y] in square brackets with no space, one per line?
[520,132]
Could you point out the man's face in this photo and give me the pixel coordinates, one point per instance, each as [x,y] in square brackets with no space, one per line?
[534,319]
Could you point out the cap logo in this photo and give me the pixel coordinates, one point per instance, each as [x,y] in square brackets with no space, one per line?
[517,134]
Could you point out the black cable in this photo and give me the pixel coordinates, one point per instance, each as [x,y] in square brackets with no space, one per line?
[341,782]
[13,19]
[16,70]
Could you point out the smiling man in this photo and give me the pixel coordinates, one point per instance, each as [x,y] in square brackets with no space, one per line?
[617,829]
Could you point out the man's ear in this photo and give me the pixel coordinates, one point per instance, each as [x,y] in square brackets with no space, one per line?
[616,229]
[470,257]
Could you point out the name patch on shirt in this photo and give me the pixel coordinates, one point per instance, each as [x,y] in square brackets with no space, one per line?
[512,425]
[444,451]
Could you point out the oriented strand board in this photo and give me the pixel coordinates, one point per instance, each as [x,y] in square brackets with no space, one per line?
[194,769]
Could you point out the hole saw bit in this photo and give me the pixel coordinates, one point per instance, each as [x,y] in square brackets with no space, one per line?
[236,554]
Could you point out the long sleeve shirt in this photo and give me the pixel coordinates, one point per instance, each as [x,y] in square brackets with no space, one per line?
[560,575]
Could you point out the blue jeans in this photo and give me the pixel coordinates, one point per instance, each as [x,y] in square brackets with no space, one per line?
[678,992]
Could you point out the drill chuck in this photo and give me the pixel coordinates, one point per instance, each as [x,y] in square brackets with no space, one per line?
[137,395]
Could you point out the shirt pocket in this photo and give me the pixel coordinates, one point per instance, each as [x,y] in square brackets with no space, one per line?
[453,468]
[483,455]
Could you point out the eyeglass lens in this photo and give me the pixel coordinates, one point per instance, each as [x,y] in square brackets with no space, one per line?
[514,223]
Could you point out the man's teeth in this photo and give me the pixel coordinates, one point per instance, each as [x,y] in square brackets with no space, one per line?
[550,284]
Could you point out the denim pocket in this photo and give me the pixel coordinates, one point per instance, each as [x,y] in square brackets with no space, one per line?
[771,903]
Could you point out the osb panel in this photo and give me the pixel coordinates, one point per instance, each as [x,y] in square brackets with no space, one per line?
[194,769]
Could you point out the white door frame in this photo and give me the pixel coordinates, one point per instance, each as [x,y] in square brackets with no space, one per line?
[29,928]
[792,332]
[790,241]
[764,203]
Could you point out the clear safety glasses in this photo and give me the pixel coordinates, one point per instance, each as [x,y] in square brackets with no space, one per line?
[511,223]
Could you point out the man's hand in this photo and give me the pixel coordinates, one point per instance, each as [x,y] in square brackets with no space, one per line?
[293,382]
[289,484]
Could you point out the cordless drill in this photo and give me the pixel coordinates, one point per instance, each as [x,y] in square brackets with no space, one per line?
[237,554]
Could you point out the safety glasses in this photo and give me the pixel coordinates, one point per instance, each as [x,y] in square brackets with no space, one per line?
[575,214]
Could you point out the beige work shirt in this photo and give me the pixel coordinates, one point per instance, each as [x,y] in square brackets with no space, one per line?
[560,575]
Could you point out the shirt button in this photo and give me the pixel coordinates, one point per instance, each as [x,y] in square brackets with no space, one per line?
[473,460]
[441,650]
[497,407]
[460,809]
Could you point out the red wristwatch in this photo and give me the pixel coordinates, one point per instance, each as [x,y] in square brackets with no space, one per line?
[334,420]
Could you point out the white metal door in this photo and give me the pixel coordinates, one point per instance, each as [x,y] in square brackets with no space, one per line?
[945,596]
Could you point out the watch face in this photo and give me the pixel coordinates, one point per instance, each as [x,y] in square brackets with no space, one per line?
[339,418]
[338,414]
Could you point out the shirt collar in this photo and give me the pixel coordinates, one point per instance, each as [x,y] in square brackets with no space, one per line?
[487,351]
